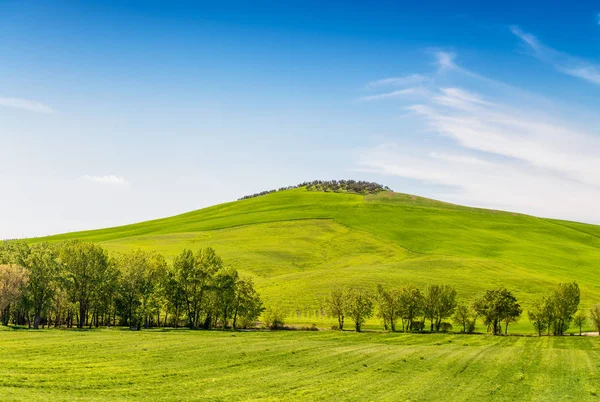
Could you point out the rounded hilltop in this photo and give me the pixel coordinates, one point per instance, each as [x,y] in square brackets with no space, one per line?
[335,186]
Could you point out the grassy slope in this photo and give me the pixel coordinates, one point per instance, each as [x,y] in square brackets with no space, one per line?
[297,244]
[192,365]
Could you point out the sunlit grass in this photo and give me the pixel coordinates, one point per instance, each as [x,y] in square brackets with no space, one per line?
[190,365]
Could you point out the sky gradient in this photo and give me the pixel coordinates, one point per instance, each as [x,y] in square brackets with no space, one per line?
[112,114]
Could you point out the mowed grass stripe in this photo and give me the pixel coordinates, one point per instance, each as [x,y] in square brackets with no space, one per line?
[199,365]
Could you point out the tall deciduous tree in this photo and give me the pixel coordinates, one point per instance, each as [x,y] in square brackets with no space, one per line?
[595,316]
[564,303]
[388,301]
[410,305]
[247,305]
[13,281]
[335,305]
[84,266]
[497,306]
[43,271]
[359,307]
[580,318]
[538,315]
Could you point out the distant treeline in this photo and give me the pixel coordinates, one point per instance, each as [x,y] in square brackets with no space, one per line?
[415,310]
[76,283]
[336,186]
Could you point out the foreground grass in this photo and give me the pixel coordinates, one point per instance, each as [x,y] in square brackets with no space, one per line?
[190,365]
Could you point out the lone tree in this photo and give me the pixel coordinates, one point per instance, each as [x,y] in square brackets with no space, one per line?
[359,307]
[497,306]
[580,319]
[335,305]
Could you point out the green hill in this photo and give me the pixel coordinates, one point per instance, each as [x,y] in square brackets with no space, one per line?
[297,244]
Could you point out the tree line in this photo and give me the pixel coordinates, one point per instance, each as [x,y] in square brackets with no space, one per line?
[336,186]
[75,283]
[409,308]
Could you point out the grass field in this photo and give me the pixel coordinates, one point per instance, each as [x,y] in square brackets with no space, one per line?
[297,244]
[189,365]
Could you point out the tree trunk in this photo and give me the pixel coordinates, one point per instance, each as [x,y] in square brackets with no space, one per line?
[36,321]
[82,314]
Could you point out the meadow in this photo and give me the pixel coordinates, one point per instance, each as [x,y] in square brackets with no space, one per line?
[167,365]
[298,244]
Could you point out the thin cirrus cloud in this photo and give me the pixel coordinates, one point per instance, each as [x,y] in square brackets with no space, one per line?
[493,149]
[562,62]
[109,179]
[394,94]
[25,104]
[409,80]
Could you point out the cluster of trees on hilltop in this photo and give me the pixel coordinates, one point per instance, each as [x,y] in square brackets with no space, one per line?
[337,186]
[78,283]
[417,309]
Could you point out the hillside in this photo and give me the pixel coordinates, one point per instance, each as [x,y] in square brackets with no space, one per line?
[297,244]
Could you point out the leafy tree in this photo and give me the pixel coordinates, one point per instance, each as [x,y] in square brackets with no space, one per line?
[580,318]
[247,305]
[173,293]
[43,270]
[538,315]
[388,301]
[13,252]
[439,302]
[225,287]
[13,280]
[359,307]
[140,271]
[466,318]
[497,306]
[84,266]
[564,302]
[595,316]
[410,305]
[336,305]
[195,274]
[431,299]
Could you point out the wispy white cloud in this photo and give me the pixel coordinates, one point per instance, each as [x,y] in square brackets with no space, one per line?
[110,179]
[562,62]
[408,80]
[504,150]
[395,94]
[445,60]
[25,104]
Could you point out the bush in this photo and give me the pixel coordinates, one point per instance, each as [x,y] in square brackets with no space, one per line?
[274,317]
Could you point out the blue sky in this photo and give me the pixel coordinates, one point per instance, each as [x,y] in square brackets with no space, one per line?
[111,114]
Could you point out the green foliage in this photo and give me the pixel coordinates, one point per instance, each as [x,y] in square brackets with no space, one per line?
[595,316]
[359,306]
[346,186]
[497,306]
[466,318]
[336,305]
